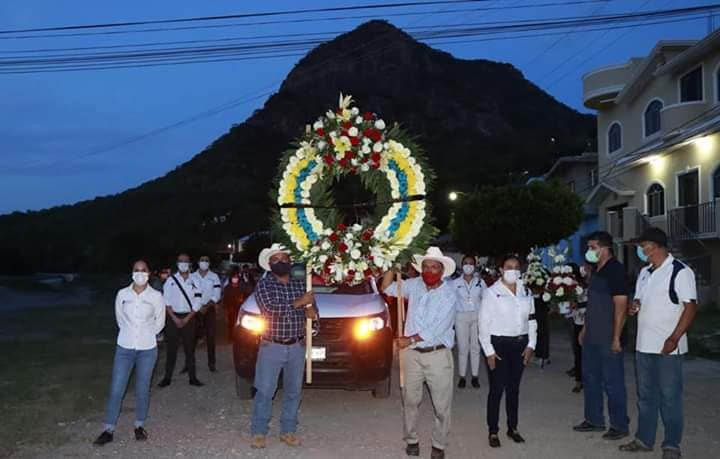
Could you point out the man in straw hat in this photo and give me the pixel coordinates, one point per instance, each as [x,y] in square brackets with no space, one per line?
[426,344]
[285,304]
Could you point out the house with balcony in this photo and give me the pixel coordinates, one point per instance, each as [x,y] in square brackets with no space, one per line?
[580,175]
[659,151]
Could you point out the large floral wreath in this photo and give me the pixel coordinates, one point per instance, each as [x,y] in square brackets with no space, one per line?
[390,165]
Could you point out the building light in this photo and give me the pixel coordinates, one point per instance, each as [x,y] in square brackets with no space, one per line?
[704,145]
[657,163]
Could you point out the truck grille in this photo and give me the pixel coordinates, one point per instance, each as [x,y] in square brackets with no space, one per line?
[334,330]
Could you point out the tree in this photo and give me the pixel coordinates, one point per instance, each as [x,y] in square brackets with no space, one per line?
[505,219]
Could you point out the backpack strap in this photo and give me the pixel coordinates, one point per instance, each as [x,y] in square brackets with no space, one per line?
[677,267]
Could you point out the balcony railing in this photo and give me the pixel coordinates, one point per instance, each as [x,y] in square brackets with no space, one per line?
[693,222]
[702,266]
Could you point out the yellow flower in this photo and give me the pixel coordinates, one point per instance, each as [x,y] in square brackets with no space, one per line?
[342,144]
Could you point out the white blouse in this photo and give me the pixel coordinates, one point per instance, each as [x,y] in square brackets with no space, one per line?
[140,317]
[504,314]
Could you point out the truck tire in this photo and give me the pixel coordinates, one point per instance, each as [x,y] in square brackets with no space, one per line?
[243,388]
[382,389]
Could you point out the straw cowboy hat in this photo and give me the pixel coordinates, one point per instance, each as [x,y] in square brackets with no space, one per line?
[433,253]
[266,254]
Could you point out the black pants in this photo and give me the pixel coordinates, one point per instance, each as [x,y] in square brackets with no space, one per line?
[577,351]
[505,378]
[542,350]
[210,332]
[173,337]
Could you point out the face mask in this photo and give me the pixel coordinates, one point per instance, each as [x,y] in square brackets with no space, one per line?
[431,279]
[140,278]
[281,268]
[641,254]
[511,276]
[183,266]
[204,265]
[468,269]
[592,256]
[235,280]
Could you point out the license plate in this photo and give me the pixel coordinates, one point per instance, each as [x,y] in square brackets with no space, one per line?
[318,353]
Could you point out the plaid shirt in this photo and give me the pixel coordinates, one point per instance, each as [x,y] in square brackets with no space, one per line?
[275,300]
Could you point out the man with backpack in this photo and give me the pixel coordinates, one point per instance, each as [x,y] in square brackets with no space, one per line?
[666,304]
[183,300]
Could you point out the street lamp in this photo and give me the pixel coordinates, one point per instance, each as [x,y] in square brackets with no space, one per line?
[453,196]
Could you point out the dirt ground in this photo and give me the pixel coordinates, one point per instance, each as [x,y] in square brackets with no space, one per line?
[210,422]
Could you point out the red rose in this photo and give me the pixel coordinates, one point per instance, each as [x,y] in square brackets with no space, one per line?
[341,227]
[320,132]
[353,171]
[346,124]
[351,273]
[375,165]
[375,157]
[334,237]
[367,116]
[373,134]
[328,159]
[349,154]
[366,235]
[342,248]
[368,272]
[343,162]
[354,141]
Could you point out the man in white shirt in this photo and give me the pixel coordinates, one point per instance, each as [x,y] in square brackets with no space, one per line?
[426,355]
[468,289]
[182,302]
[211,289]
[666,304]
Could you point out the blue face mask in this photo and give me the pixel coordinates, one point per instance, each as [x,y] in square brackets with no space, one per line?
[641,254]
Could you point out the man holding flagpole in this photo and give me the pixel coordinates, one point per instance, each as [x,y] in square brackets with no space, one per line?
[285,304]
[425,347]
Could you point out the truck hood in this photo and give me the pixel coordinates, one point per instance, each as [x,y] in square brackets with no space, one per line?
[333,305]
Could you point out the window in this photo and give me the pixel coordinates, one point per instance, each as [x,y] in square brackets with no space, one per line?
[655,200]
[716,183]
[614,137]
[652,117]
[691,86]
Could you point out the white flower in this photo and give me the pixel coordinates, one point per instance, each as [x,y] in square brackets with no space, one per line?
[325,245]
[365,149]
[568,281]
[323,258]
[546,297]
[359,120]
[355,254]
[356,227]
[559,259]
[378,147]
[560,292]
[380,124]
[578,291]
[556,270]
[567,269]
[355,111]
[539,282]
[330,114]
[321,145]
[353,132]
[315,249]
[557,280]
[364,167]
[318,125]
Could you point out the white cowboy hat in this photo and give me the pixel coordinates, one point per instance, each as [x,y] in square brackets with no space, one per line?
[434,253]
[266,254]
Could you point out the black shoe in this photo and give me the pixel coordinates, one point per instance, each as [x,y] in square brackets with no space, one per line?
[140,434]
[587,427]
[475,382]
[183,371]
[412,449]
[212,368]
[516,437]
[195,382]
[164,383]
[437,453]
[494,441]
[614,434]
[105,437]
[461,383]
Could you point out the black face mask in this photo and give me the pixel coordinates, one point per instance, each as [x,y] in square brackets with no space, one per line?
[281,268]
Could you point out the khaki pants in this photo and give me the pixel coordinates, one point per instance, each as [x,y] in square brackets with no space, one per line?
[468,344]
[436,369]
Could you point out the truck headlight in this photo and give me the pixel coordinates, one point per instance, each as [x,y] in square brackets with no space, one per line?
[255,324]
[364,328]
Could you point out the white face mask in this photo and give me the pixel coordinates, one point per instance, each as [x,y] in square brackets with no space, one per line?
[204,265]
[511,276]
[140,278]
[468,269]
[183,266]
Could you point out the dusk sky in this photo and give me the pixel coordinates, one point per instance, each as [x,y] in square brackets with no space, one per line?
[67,136]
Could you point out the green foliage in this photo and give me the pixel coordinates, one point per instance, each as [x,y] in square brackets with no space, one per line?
[499,220]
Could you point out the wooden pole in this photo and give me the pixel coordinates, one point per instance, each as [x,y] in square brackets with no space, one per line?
[401,324]
[308,332]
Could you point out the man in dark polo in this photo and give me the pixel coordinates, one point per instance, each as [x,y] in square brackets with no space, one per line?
[602,353]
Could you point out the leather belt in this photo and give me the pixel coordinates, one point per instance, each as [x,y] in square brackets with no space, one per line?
[425,350]
[508,338]
[285,342]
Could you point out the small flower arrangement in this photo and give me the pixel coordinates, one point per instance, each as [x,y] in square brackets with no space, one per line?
[562,287]
[536,276]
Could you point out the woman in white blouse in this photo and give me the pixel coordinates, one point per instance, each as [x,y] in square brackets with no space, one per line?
[140,315]
[508,333]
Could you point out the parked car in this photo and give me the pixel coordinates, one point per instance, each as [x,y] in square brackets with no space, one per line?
[352,350]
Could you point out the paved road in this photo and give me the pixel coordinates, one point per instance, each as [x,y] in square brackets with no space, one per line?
[210,422]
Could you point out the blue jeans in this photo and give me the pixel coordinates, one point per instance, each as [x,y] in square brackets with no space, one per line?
[604,370]
[272,358]
[125,360]
[659,389]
